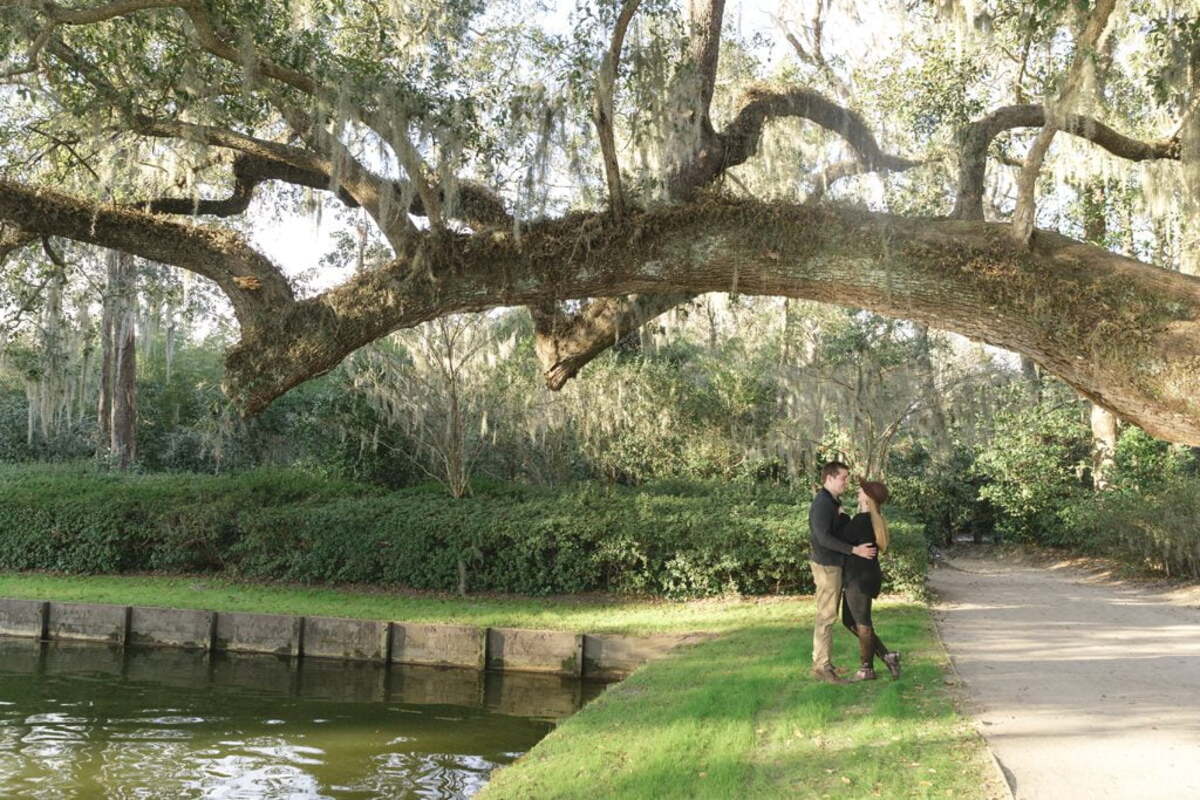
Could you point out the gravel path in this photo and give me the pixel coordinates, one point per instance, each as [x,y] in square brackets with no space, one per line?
[1083,689]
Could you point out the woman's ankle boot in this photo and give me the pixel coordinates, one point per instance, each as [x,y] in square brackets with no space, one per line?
[866,654]
[890,659]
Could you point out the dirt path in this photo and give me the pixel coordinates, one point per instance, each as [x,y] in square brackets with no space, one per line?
[1083,689]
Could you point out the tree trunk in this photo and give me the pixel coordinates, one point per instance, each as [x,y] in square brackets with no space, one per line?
[1033,378]
[104,404]
[117,407]
[124,413]
[1104,423]
[932,397]
[1104,445]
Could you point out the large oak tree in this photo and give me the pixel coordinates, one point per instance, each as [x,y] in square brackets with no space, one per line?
[587,166]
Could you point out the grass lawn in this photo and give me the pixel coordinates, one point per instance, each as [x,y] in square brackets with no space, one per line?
[738,717]
[589,614]
[734,717]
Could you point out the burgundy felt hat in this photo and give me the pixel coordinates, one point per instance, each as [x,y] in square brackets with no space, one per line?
[876,490]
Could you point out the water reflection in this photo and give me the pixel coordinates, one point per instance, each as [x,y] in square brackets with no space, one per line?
[85,720]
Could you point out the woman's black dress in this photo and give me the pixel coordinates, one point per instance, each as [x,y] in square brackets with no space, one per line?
[861,577]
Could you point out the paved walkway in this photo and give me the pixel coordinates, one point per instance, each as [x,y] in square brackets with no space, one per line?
[1083,689]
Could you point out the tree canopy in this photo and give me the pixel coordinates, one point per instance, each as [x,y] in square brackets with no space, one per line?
[603,163]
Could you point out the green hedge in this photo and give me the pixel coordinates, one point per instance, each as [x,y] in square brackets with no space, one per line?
[1155,529]
[669,539]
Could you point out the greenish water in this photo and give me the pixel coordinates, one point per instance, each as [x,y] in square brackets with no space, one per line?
[90,721]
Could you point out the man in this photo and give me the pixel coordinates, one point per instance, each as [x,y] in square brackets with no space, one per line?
[828,553]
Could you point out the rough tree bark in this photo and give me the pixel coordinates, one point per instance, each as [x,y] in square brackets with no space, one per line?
[117,405]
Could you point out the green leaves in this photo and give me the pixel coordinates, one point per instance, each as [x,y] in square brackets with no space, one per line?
[683,539]
[1033,466]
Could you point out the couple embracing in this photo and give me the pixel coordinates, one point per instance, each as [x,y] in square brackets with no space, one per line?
[845,568]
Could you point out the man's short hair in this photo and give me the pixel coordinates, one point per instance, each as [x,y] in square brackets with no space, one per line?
[831,469]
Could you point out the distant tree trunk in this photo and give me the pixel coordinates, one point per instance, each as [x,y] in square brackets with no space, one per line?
[711,315]
[786,351]
[1033,378]
[1104,422]
[124,420]
[1104,445]
[107,361]
[936,414]
[117,406]
[82,395]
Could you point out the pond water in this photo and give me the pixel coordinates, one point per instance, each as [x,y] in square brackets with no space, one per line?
[92,721]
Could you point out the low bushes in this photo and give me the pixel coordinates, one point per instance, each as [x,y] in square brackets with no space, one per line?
[671,539]
[1154,529]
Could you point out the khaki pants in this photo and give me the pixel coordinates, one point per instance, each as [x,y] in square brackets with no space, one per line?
[828,597]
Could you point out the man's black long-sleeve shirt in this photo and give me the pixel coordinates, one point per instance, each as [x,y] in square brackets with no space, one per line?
[826,548]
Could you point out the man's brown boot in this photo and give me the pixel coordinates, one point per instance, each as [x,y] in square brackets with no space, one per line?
[825,673]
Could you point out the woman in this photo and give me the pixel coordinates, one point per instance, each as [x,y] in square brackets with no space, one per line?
[861,579]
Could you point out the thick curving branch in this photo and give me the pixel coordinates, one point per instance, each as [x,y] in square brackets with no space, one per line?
[254,285]
[744,133]
[564,343]
[215,42]
[1125,334]
[740,139]
[248,172]
[578,339]
[976,137]
[365,188]
[355,185]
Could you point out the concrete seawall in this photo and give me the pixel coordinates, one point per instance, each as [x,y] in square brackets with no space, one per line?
[574,655]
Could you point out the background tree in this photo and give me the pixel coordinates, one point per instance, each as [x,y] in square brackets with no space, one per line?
[139,113]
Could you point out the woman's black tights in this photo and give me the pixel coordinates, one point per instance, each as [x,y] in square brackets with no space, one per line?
[856,616]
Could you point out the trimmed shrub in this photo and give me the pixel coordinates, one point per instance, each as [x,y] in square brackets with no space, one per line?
[1153,529]
[944,495]
[674,539]
[1033,467]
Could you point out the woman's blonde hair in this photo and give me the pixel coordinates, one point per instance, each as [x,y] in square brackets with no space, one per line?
[877,494]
